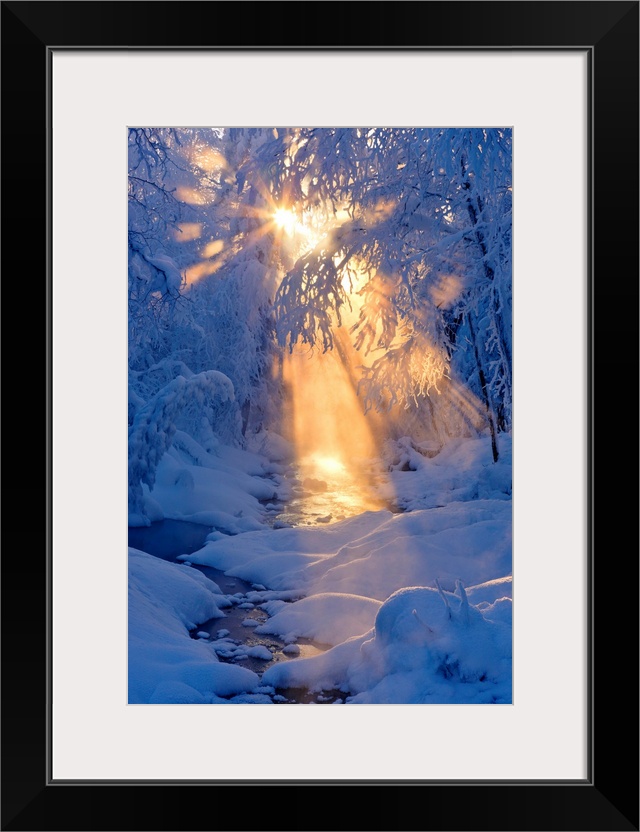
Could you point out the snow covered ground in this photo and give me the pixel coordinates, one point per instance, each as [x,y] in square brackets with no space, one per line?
[165,664]
[222,487]
[415,606]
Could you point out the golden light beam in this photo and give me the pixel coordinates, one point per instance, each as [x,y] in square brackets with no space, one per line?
[334,439]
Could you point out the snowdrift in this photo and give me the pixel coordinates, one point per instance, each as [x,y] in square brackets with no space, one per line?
[165,664]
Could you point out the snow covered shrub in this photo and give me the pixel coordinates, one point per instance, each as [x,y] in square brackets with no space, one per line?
[149,381]
[438,636]
[154,426]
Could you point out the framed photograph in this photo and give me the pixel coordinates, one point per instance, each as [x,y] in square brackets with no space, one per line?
[536,106]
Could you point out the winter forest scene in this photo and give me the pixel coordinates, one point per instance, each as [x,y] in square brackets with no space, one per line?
[320,415]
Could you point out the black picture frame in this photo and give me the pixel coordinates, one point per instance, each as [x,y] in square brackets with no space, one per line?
[608,798]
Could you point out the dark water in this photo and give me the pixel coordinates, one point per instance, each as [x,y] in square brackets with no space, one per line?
[169,539]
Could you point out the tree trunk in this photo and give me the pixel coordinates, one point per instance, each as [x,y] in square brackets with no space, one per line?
[485,393]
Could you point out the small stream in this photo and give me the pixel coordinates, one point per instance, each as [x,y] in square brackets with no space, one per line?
[323,490]
[319,490]
[233,637]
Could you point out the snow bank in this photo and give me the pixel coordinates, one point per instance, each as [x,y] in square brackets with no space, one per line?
[326,671]
[165,663]
[375,553]
[462,541]
[221,488]
[271,557]
[462,470]
[329,618]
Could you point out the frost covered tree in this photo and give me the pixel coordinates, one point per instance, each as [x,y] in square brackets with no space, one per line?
[200,290]
[155,215]
[417,224]
[401,237]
